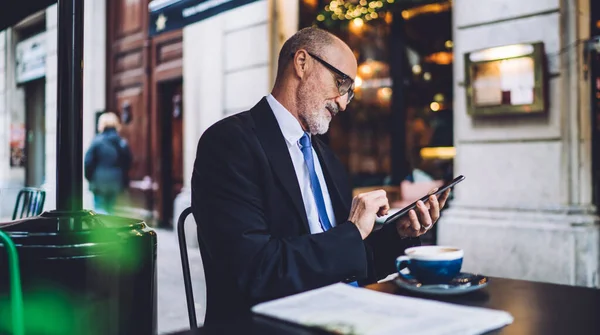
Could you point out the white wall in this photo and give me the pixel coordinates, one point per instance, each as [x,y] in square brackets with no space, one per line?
[94,76]
[525,209]
[51,104]
[226,63]
[225,70]
[229,62]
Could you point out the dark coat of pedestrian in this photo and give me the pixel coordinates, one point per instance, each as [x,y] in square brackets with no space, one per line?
[107,164]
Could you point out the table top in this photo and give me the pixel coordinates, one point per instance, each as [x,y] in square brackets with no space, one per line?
[537,308]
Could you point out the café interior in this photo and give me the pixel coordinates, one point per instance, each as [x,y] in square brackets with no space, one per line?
[398,130]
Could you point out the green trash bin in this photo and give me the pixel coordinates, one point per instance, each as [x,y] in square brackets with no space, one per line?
[83,273]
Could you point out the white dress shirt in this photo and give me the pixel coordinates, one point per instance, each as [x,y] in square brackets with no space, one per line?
[292,132]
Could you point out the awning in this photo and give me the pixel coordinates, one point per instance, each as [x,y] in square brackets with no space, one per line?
[14,11]
[167,15]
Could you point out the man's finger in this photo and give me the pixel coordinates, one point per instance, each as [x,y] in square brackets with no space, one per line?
[434,208]
[442,199]
[423,214]
[381,203]
[372,194]
[433,191]
[383,210]
[414,220]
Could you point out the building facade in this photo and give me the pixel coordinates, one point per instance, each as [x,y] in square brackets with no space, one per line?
[528,208]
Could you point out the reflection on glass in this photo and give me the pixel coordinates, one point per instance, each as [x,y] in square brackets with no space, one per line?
[504,82]
[361,137]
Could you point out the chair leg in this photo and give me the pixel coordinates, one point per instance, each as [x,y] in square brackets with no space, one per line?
[185,264]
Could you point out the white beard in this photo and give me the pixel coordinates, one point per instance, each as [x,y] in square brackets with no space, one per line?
[318,122]
[313,115]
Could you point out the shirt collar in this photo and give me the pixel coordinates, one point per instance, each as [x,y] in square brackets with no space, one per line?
[290,127]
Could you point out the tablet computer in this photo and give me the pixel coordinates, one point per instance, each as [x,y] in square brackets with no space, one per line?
[441,190]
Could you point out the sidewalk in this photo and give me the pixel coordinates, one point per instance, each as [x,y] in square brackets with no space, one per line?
[172,308]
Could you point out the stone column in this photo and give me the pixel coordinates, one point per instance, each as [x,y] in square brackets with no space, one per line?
[525,210]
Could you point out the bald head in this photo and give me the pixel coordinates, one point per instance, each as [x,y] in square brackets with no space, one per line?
[314,40]
[314,77]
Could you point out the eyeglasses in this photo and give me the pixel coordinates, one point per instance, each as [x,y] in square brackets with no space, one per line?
[344,83]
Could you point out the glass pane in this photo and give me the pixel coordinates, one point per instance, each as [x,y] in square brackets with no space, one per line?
[361,137]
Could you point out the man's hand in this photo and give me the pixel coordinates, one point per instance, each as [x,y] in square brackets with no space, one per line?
[418,222]
[365,208]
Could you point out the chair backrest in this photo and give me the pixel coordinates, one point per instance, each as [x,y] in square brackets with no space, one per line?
[30,202]
[185,264]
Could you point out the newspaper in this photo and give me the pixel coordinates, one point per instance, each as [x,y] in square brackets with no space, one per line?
[345,309]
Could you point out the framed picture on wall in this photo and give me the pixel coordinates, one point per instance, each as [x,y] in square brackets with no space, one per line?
[508,79]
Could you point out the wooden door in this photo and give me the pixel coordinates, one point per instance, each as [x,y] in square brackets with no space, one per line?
[167,116]
[36,133]
[177,144]
[127,94]
[171,149]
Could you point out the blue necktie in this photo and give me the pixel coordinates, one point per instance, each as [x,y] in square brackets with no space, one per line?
[315,186]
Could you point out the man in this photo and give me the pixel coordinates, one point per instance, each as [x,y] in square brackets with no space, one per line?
[272,203]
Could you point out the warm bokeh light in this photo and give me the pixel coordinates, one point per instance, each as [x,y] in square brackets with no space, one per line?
[384,94]
[365,70]
[438,153]
[433,8]
[508,51]
[440,58]
[358,82]
[358,23]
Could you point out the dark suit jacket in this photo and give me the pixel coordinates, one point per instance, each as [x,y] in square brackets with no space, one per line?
[250,215]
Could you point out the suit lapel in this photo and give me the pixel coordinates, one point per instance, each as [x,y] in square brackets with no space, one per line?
[274,145]
[333,178]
